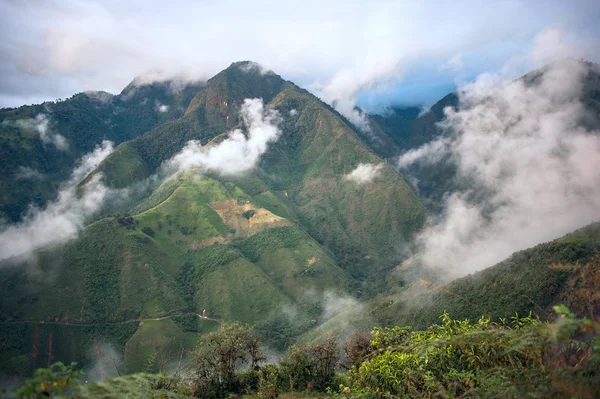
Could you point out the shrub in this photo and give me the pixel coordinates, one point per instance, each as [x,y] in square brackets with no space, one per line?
[311,366]
[52,381]
[248,214]
[148,231]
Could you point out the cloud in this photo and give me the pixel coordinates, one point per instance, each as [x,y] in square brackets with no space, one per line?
[550,45]
[61,219]
[238,152]
[335,303]
[454,64]
[54,49]
[107,362]
[26,173]
[100,96]
[523,146]
[41,125]
[364,173]
[255,66]
[161,107]
[430,152]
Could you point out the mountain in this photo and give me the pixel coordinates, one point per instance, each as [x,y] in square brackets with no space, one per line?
[310,239]
[275,247]
[40,143]
[410,129]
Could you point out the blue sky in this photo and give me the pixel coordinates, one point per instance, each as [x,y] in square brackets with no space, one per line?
[370,53]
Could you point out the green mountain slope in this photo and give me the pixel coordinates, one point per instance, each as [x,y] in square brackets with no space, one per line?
[566,270]
[365,226]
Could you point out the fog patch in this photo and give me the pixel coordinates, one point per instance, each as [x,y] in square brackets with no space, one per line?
[364,173]
[40,124]
[99,96]
[250,66]
[27,173]
[239,152]
[107,364]
[162,108]
[60,220]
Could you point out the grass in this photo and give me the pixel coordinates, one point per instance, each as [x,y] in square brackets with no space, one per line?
[239,290]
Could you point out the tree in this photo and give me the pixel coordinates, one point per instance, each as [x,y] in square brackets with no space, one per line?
[313,365]
[218,356]
[356,349]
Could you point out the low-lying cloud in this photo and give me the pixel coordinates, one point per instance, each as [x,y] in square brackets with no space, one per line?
[522,144]
[61,219]
[41,125]
[161,107]
[27,173]
[238,152]
[364,173]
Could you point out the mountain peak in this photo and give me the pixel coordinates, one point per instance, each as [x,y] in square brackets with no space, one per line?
[249,67]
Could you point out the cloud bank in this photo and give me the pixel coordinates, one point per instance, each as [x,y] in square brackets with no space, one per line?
[364,173]
[62,219]
[523,145]
[238,152]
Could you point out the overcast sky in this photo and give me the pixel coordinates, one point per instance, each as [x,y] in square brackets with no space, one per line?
[373,52]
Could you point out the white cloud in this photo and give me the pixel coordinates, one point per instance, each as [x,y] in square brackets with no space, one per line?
[100,96]
[161,107]
[238,153]
[61,219]
[454,64]
[293,112]
[41,125]
[523,145]
[54,49]
[430,152]
[364,173]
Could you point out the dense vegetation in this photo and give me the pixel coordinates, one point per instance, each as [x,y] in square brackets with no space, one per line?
[517,357]
[201,276]
[84,120]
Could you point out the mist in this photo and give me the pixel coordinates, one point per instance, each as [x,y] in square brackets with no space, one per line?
[238,152]
[364,173]
[534,166]
[60,220]
[107,362]
[41,125]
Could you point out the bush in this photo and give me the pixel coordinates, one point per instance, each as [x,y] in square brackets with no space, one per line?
[462,359]
[215,362]
[54,380]
[311,366]
[148,231]
[248,214]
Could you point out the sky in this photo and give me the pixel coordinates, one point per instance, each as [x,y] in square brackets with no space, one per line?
[370,53]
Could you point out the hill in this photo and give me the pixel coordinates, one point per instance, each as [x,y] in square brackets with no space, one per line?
[563,271]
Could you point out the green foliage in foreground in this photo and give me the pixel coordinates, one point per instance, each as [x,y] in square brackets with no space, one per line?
[517,357]
[521,357]
[54,380]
